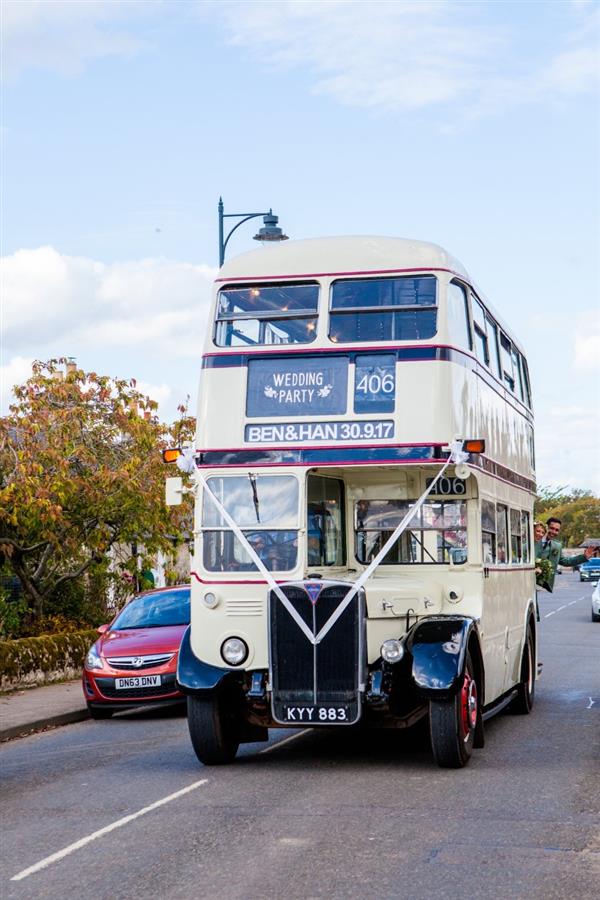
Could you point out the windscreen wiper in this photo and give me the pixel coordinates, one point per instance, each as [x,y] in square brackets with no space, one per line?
[254,495]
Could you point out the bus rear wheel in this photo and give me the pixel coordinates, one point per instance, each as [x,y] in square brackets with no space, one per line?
[452,723]
[523,702]
[214,729]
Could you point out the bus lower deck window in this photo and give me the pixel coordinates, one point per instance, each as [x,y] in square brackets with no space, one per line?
[437,534]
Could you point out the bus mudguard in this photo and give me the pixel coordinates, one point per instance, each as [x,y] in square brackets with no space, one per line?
[438,646]
[193,675]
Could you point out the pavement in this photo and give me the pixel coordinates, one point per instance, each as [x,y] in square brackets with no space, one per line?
[35,709]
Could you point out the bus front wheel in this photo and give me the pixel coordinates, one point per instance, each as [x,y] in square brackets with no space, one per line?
[214,729]
[452,723]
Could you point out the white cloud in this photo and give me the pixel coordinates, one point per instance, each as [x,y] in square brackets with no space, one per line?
[50,296]
[397,56]
[140,318]
[16,371]
[64,34]
[161,393]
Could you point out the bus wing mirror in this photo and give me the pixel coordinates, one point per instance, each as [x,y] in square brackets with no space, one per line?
[173,491]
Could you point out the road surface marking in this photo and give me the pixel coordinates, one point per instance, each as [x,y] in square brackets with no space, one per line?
[591,703]
[106,830]
[553,613]
[286,740]
[561,607]
[572,602]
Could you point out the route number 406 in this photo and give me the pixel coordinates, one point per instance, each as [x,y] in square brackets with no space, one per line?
[448,487]
[376,384]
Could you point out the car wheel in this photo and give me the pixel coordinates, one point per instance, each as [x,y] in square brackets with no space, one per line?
[99,712]
[595,617]
[214,728]
[452,723]
[523,702]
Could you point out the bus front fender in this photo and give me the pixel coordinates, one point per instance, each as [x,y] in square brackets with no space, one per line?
[195,676]
[438,646]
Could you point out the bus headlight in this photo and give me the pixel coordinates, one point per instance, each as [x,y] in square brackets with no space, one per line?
[234,651]
[392,651]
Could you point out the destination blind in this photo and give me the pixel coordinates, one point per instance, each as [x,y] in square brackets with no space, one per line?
[291,432]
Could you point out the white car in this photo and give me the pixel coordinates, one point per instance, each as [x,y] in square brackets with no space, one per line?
[596,603]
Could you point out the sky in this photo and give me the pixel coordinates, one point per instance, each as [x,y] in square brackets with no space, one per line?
[474,125]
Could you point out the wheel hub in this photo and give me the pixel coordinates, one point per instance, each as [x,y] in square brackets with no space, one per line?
[469,704]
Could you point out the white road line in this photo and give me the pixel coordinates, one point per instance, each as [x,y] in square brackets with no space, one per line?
[564,606]
[553,613]
[592,701]
[286,740]
[572,602]
[106,830]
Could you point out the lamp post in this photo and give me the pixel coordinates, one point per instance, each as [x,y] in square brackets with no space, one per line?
[269,231]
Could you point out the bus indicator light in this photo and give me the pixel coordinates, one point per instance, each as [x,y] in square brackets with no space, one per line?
[474,446]
[171,455]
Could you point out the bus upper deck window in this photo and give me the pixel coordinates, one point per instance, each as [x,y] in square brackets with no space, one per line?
[267,314]
[383,309]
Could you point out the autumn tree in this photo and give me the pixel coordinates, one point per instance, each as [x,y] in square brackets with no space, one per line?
[80,471]
[578,510]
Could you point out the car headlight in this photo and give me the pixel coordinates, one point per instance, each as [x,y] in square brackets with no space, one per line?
[392,651]
[234,651]
[93,660]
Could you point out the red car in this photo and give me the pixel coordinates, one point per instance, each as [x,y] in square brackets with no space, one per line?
[134,661]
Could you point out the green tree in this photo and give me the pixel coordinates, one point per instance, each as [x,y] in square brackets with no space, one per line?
[80,471]
[578,510]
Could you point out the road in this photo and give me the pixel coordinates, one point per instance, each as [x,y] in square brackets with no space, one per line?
[121,808]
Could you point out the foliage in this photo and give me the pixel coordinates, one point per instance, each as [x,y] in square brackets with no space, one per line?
[578,510]
[80,473]
[11,615]
[42,659]
[544,572]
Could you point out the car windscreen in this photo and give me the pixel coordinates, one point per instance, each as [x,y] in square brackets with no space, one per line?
[155,611]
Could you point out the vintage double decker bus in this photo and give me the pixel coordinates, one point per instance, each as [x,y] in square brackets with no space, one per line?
[364,479]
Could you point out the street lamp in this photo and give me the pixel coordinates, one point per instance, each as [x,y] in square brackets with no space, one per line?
[269,231]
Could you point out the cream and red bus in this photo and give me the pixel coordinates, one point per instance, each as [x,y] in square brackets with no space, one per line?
[364,480]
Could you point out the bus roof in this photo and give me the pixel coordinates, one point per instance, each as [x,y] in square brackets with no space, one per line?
[339,256]
[348,255]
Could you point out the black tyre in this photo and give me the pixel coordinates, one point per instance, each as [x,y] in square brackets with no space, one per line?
[452,723]
[214,728]
[595,617]
[99,712]
[523,702]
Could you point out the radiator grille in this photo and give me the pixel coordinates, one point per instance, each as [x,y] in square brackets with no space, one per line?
[328,674]
[139,662]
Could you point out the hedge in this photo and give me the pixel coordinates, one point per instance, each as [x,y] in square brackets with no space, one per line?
[43,659]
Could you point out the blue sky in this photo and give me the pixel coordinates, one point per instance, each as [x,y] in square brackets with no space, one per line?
[473,125]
